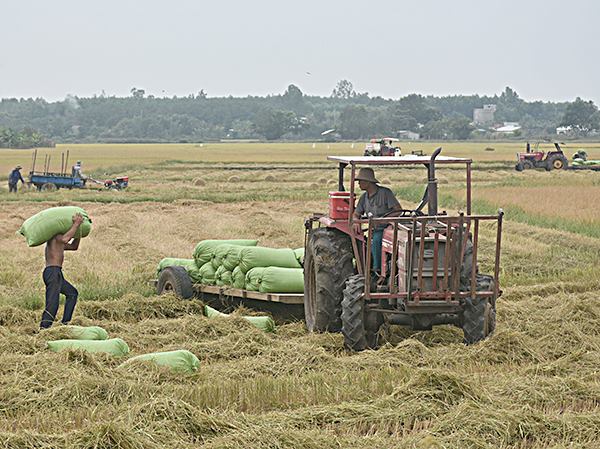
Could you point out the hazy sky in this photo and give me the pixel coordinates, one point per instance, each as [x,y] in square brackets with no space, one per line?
[546,50]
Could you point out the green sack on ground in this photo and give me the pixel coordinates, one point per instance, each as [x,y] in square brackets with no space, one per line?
[114,346]
[282,280]
[44,225]
[264,323]
[204,250]
[239,278]
[180,361]
[253,278]
[258,256]
[207,274]
[189,265]
[87,333]
[299,253]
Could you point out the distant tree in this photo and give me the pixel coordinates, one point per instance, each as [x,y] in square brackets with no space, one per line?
[293,97]
[354,122]
[137,93]
[274,123]
[344,90]
[456,127]
[582,115]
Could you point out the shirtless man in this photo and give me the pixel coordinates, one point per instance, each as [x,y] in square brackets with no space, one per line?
[53,276]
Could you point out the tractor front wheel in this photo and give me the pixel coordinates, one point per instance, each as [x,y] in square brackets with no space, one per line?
[519,166]
[327,265]
[359,327]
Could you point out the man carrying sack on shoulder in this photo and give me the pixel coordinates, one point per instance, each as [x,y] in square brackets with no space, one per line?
[53,275]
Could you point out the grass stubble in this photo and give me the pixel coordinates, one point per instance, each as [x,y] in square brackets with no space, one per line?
[534,384]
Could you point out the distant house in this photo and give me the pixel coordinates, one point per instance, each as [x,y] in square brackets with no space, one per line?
[508,128]
[484,115]
[564,130]
[408,135]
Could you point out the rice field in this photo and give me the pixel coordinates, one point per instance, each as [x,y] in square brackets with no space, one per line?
[533,384]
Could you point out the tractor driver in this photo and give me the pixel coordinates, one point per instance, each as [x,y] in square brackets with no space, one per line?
[377,201]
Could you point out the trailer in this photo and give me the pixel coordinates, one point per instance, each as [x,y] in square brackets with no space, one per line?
[46,181]
[175,280]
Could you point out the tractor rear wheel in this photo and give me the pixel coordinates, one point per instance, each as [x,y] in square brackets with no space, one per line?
[175,280]
[359,327]
[327,265]
[556,163]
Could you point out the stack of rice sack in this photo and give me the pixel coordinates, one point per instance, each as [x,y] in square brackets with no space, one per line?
[243,265]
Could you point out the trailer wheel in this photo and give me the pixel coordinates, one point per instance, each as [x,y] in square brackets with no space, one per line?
[48,187]
[176,280]
[359,327]
[327,265]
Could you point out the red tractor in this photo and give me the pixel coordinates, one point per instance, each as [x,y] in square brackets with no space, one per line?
[552,160]
[385,146]
[429,273]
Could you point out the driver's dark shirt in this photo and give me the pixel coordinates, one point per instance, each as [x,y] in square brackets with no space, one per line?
[380,203]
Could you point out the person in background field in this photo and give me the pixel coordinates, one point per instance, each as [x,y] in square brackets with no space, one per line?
[377,202]
[14,178]
[53,275]
[76,170]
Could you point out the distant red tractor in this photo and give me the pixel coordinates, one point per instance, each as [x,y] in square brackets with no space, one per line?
[552,160]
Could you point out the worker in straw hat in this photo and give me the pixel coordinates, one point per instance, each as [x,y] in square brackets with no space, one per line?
[14,178]
[377,201]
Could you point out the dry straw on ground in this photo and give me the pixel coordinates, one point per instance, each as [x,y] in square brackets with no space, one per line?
[533,385]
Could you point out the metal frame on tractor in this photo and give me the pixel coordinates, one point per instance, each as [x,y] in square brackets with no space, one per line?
[429,264]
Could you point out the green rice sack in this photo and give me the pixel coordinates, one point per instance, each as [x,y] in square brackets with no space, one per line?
[223,277]
[282,280]
[44,225]
[114,346]
[254,278]
[189,265]
[87,333]
[181,360]
[264,323]
[220,253]
[258,256]
[299,252]
[232,257]
[207,274]
[205,249]
[239,278]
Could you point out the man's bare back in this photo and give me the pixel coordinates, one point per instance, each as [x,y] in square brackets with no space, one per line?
[57,245]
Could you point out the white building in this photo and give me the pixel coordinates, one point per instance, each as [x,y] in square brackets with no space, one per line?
[485,114]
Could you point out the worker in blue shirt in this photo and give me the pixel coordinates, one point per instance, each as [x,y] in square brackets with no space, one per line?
[14,178]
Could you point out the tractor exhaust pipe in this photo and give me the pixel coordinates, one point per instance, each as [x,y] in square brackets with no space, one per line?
[432,190]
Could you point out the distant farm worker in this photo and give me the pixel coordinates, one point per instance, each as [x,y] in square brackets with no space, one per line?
[14,178]
[53,275]
[76,170]
[376,202]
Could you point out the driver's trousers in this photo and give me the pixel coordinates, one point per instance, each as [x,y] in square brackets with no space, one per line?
[376,249]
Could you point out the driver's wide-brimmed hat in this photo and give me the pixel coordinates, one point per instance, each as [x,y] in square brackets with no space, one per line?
[366,174]
[18,167]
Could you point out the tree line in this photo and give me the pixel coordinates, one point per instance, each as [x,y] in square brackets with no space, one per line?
[290,115]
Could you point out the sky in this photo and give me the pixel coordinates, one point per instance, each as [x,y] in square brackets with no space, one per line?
[545,50]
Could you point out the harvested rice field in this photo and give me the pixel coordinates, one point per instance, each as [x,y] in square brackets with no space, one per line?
[535,383]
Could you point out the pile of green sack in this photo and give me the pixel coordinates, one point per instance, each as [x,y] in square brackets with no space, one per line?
[244,265]
[95,339]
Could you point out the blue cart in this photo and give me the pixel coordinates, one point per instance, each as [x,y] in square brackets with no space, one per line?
[53,181]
